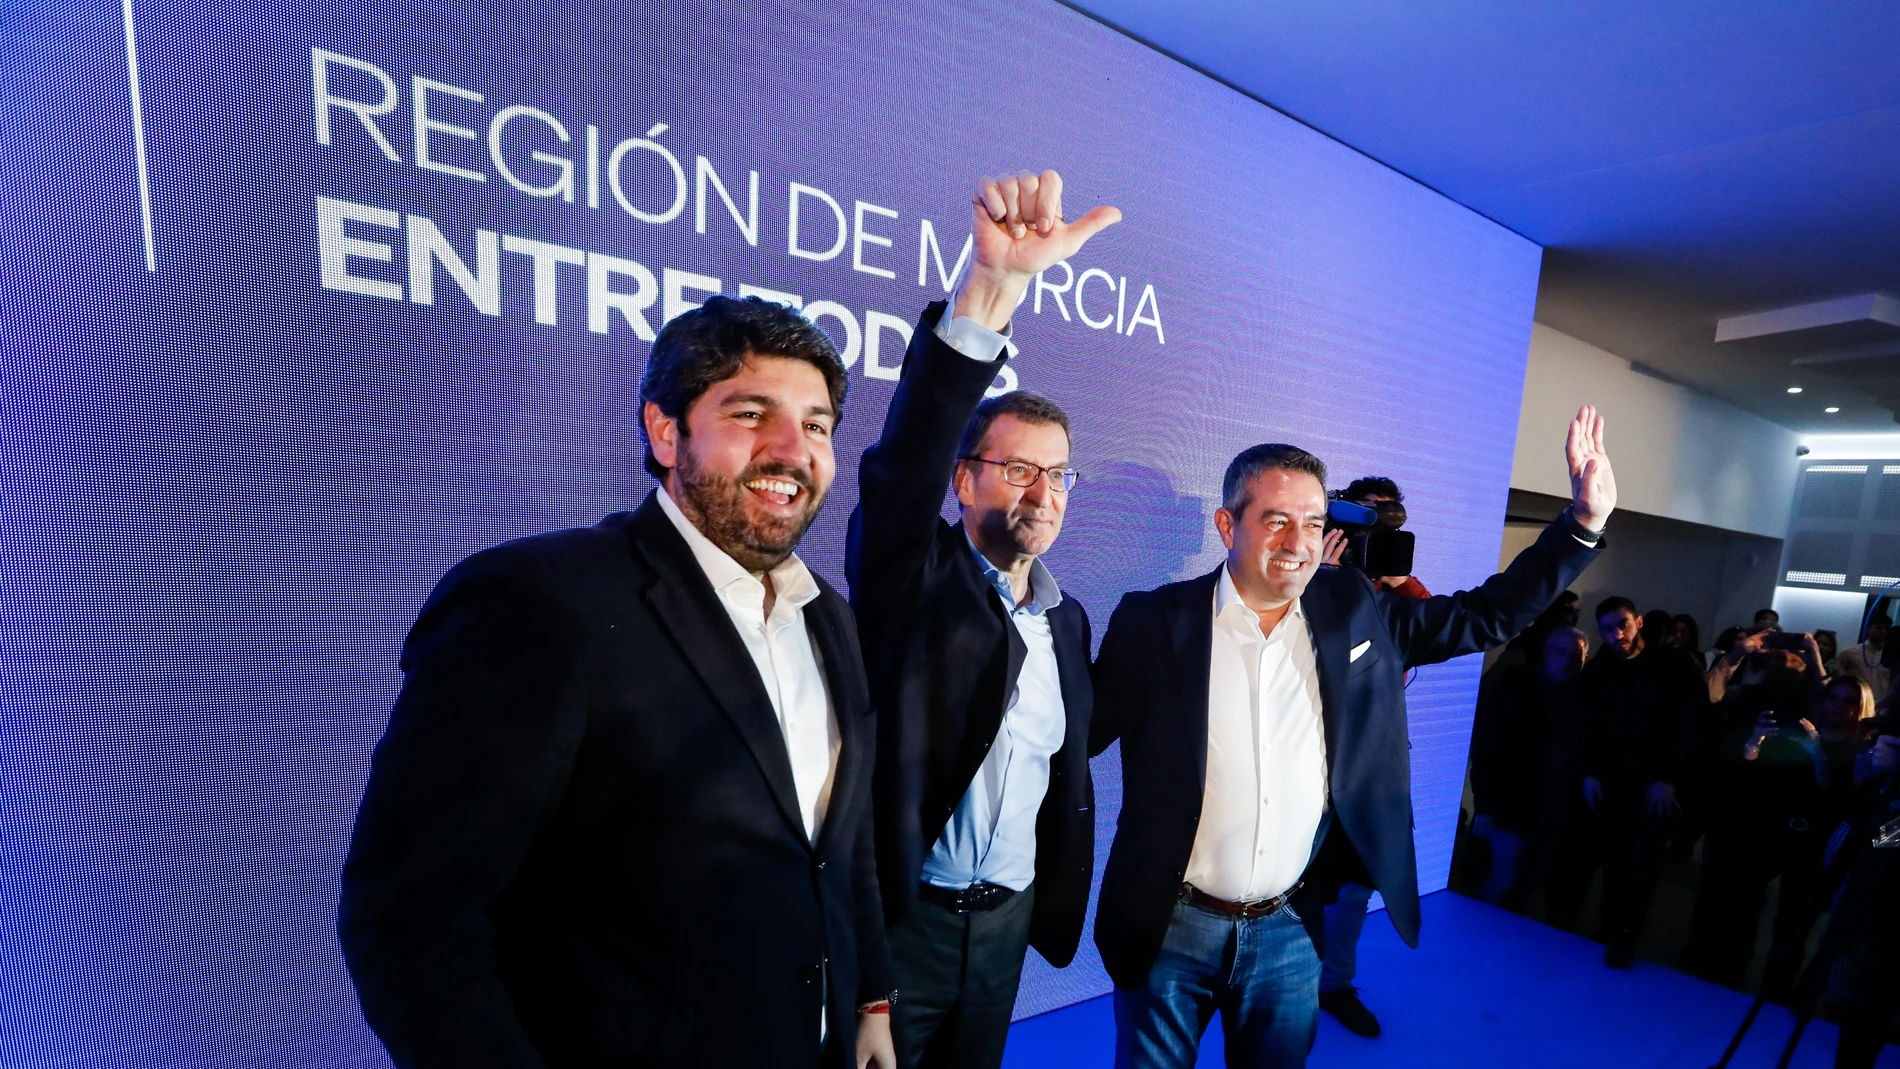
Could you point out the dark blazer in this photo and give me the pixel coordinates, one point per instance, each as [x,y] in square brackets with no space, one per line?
[581,845]
[1152,682]
[943,657]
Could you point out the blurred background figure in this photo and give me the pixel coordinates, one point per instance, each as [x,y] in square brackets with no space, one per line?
[1659,628]
[1765,817]
[1641,702]
[1829,646]
[1524,764]
[1862,660]
[1687,637]
[1526,648]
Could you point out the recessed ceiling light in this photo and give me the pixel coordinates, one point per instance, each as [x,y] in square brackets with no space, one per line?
[1830,410]
[1794,389]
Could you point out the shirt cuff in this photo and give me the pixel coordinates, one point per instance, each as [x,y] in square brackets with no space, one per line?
[971,338]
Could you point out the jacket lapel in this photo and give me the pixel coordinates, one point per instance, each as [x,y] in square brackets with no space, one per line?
[1332,639]
[1190,619]
[1072,672]
[849,700]
[685,604]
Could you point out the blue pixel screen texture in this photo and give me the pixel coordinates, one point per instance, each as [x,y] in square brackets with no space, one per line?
[357,289]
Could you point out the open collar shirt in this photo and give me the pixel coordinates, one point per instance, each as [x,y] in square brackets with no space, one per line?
[1266,754]
[787,660]
[991,837]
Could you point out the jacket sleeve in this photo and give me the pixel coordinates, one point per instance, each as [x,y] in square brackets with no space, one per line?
[902,477]
[1486,741]
[877,977]
[478,750]
[1114,676]
[1439,628]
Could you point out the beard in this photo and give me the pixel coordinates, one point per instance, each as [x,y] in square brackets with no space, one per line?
[716,505]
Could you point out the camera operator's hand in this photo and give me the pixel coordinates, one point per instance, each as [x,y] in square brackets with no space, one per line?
[1593,793]
[1661,799]
[1333,547]
[1592,483]
[1019,231]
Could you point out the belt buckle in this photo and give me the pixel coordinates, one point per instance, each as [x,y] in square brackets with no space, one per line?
[971,899]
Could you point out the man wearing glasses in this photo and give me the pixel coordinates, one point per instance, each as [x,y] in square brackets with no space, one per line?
[979,664]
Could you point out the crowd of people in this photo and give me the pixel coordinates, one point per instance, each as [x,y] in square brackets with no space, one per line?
[1760,752]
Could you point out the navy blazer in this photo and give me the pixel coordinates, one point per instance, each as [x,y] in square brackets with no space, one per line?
[581,843]
[943,657]
[1151,682]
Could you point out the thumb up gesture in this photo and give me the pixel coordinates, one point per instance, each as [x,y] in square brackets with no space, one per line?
[1020,230]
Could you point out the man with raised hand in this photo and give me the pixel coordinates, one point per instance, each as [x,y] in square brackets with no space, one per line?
[1261,710]
[979,663]
[621,815]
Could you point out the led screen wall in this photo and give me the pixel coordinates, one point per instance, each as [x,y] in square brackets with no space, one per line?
[346,291]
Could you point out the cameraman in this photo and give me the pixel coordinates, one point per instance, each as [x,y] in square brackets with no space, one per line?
[1346,918]
[1766,817]
[1382,496]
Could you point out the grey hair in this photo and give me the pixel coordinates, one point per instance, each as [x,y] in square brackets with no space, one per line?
[1029,407]
[1258,460]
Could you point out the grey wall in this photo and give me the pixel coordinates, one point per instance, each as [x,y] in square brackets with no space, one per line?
[1678,452]
[1720,577]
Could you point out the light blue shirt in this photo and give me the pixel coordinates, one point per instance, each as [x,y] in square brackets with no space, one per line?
[991,838]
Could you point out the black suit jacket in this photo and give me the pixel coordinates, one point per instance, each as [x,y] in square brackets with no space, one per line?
[1152,682]
[943,658]
[580,844]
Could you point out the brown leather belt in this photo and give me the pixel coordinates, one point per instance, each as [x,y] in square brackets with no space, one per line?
[1259,907]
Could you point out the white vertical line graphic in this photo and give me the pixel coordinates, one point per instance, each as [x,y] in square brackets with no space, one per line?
[138,138]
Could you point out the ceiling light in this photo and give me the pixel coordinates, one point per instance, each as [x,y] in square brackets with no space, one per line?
[1794,389]
[1830,410]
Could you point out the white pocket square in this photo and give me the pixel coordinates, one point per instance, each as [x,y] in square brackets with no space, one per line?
[1359,651]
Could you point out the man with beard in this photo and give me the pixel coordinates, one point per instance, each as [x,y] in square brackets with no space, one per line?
[979,663]
[621,812]
[1643,702]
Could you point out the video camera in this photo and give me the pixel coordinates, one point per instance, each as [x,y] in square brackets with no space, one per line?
[1374,543]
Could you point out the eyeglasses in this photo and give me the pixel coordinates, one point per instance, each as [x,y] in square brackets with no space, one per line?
[1023,473]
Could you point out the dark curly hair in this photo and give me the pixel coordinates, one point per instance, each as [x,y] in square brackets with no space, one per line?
[709,345]
[1372,486]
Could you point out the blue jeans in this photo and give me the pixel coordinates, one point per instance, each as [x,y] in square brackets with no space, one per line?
[1261,974]
[1345,919]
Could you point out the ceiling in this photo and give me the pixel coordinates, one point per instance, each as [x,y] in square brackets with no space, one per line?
[1681,163]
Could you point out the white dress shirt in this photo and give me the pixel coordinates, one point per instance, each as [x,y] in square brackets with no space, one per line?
[1266,754]
[785,656]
